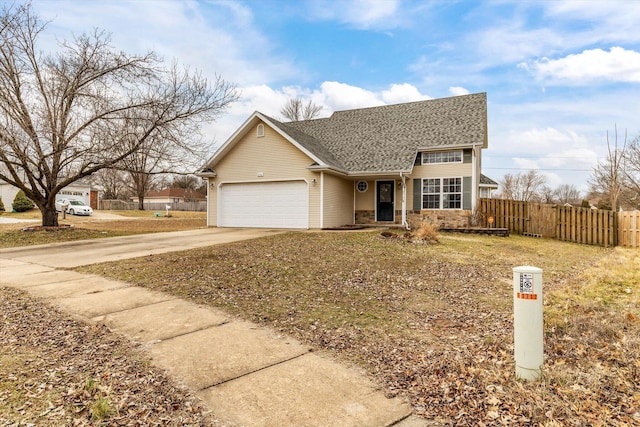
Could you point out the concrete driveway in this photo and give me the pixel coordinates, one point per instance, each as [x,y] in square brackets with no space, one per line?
[86,252]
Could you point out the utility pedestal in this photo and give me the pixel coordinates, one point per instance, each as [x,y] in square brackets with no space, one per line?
[527,322]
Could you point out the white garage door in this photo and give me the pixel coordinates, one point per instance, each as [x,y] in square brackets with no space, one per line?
[264,204]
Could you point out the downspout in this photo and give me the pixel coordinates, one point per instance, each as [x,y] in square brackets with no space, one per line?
[321,200]
[404,201]
[474,180]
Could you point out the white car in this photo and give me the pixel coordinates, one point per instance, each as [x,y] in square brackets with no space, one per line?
[74,207]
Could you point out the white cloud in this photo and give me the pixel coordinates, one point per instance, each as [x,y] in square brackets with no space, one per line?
[458,90]
[217,38]
[618,64]
[363,14]
[563,155]
[399,93]
[341,96]
[333,96]
[610,20]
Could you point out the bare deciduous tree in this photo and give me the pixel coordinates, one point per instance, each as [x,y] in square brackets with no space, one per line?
[88,107]
[295,109]
[522,186]
[632,171]
[112,184]
[188,182]
[567,194]
[546,194]
[608,175]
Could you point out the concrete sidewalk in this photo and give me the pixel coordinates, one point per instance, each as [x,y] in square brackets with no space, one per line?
[246,374]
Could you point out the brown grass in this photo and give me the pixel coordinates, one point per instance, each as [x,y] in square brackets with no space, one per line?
[80,227]
[433,322]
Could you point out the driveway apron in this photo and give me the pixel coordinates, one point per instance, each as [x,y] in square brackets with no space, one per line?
[246,374]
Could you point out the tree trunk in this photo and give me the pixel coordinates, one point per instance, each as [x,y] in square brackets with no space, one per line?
[49,216]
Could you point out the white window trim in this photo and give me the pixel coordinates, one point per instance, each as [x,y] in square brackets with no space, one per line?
[260,130]
[426,153]
[441,193]
[366,186]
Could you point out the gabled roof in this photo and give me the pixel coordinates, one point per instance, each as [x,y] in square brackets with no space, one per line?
[380,139]
[487,182]
[387,138]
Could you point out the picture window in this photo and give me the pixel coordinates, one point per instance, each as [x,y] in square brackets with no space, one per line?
[442,193]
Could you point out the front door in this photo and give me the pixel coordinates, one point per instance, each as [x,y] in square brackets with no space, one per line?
[385,197]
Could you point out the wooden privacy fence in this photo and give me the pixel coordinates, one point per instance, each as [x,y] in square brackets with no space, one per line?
[131,206]
[629,229]
[568,223]
[586,225]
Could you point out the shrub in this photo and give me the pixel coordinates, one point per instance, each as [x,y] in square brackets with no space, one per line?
[426,232]
[21,203]
[1,205]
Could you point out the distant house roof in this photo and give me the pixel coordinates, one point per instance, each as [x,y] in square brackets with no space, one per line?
[487,182]
[385,138]
[175,192]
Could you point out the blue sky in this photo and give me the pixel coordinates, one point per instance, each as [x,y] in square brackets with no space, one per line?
[558,74]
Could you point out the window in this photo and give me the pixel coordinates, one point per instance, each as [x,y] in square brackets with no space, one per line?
[454,156]
[260,131]
[362,186]
[442,193]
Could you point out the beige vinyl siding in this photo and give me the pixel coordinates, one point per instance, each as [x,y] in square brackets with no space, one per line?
[338,201]
[274,159]
[366,201]
[443,170]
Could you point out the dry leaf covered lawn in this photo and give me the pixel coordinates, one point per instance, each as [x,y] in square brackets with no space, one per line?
[137,222]
[57,371]
[433,323]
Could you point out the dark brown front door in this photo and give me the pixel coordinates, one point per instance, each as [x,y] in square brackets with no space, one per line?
[385,197]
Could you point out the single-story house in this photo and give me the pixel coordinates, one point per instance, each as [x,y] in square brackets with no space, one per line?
[79,190]
[382,165]
[173,195]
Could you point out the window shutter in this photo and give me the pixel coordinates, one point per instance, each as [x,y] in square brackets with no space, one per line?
[418,161]
[417,194]
[466,155]
[466,192]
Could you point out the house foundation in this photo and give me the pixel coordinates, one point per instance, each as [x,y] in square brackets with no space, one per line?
[439,218]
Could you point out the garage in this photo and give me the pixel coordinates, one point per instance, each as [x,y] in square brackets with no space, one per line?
[280,204]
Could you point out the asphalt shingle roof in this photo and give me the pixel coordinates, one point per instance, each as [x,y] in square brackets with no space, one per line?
[387,138]
[487,181]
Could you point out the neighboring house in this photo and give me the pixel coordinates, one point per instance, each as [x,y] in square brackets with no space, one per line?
[79,190]
[382,165]
[487,185]
[173,195]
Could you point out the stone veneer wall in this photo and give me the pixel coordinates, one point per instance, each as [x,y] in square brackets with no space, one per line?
[442,218]
[439,218]
[365,217]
